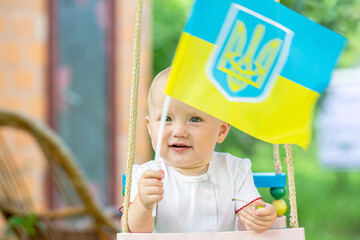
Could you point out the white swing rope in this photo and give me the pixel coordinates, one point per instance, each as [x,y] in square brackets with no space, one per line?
[133,112]
[291,179]
[291,182]
[277,163]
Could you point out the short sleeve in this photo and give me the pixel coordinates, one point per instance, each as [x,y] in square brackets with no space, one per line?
[244,185]
[138,171]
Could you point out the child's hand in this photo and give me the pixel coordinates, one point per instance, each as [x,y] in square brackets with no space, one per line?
[151,188]
[260,219]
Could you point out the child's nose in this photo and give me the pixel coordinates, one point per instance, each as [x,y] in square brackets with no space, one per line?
[180,130]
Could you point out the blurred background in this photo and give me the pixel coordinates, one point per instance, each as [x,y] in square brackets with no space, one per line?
[67,64]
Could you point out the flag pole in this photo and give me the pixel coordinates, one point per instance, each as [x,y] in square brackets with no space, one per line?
[159,139]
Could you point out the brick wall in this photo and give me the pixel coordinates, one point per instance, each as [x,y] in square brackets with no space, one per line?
[23,41]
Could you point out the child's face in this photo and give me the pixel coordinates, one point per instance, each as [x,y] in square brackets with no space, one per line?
[189,136]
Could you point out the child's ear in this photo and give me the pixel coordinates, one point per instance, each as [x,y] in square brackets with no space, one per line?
[147,120]
[224,130]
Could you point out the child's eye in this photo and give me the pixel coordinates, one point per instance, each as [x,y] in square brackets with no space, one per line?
[168,119]
[195,119]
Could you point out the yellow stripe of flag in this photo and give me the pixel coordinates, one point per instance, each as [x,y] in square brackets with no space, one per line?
[282,118]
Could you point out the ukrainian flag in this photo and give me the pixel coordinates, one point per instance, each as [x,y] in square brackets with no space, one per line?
[255,64]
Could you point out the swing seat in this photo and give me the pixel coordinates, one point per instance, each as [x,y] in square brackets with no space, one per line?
[269,180]
[278,234]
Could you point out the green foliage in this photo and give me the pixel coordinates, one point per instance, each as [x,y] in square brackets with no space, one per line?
[341,16]
[169,18]
[28,223]
[238,143]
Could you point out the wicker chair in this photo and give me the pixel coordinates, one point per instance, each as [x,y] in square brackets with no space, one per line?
[79,217]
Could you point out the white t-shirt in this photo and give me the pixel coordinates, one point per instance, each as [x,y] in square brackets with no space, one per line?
[201,203]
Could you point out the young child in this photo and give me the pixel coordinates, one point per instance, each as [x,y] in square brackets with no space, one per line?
[195,186]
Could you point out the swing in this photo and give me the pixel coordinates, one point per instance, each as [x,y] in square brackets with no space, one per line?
[294,232]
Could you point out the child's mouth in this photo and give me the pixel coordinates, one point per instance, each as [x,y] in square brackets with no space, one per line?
[179,147]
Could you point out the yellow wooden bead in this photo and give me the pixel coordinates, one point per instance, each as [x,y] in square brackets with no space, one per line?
[280,207]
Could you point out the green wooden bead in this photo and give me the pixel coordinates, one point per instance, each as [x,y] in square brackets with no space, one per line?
[278,193]
[123,192]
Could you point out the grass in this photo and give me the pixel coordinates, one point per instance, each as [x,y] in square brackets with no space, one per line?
[327,200]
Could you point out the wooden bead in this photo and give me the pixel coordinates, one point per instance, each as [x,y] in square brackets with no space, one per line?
[278,193]
[280,206]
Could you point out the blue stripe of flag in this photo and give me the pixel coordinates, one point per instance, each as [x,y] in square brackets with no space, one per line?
[314,51]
